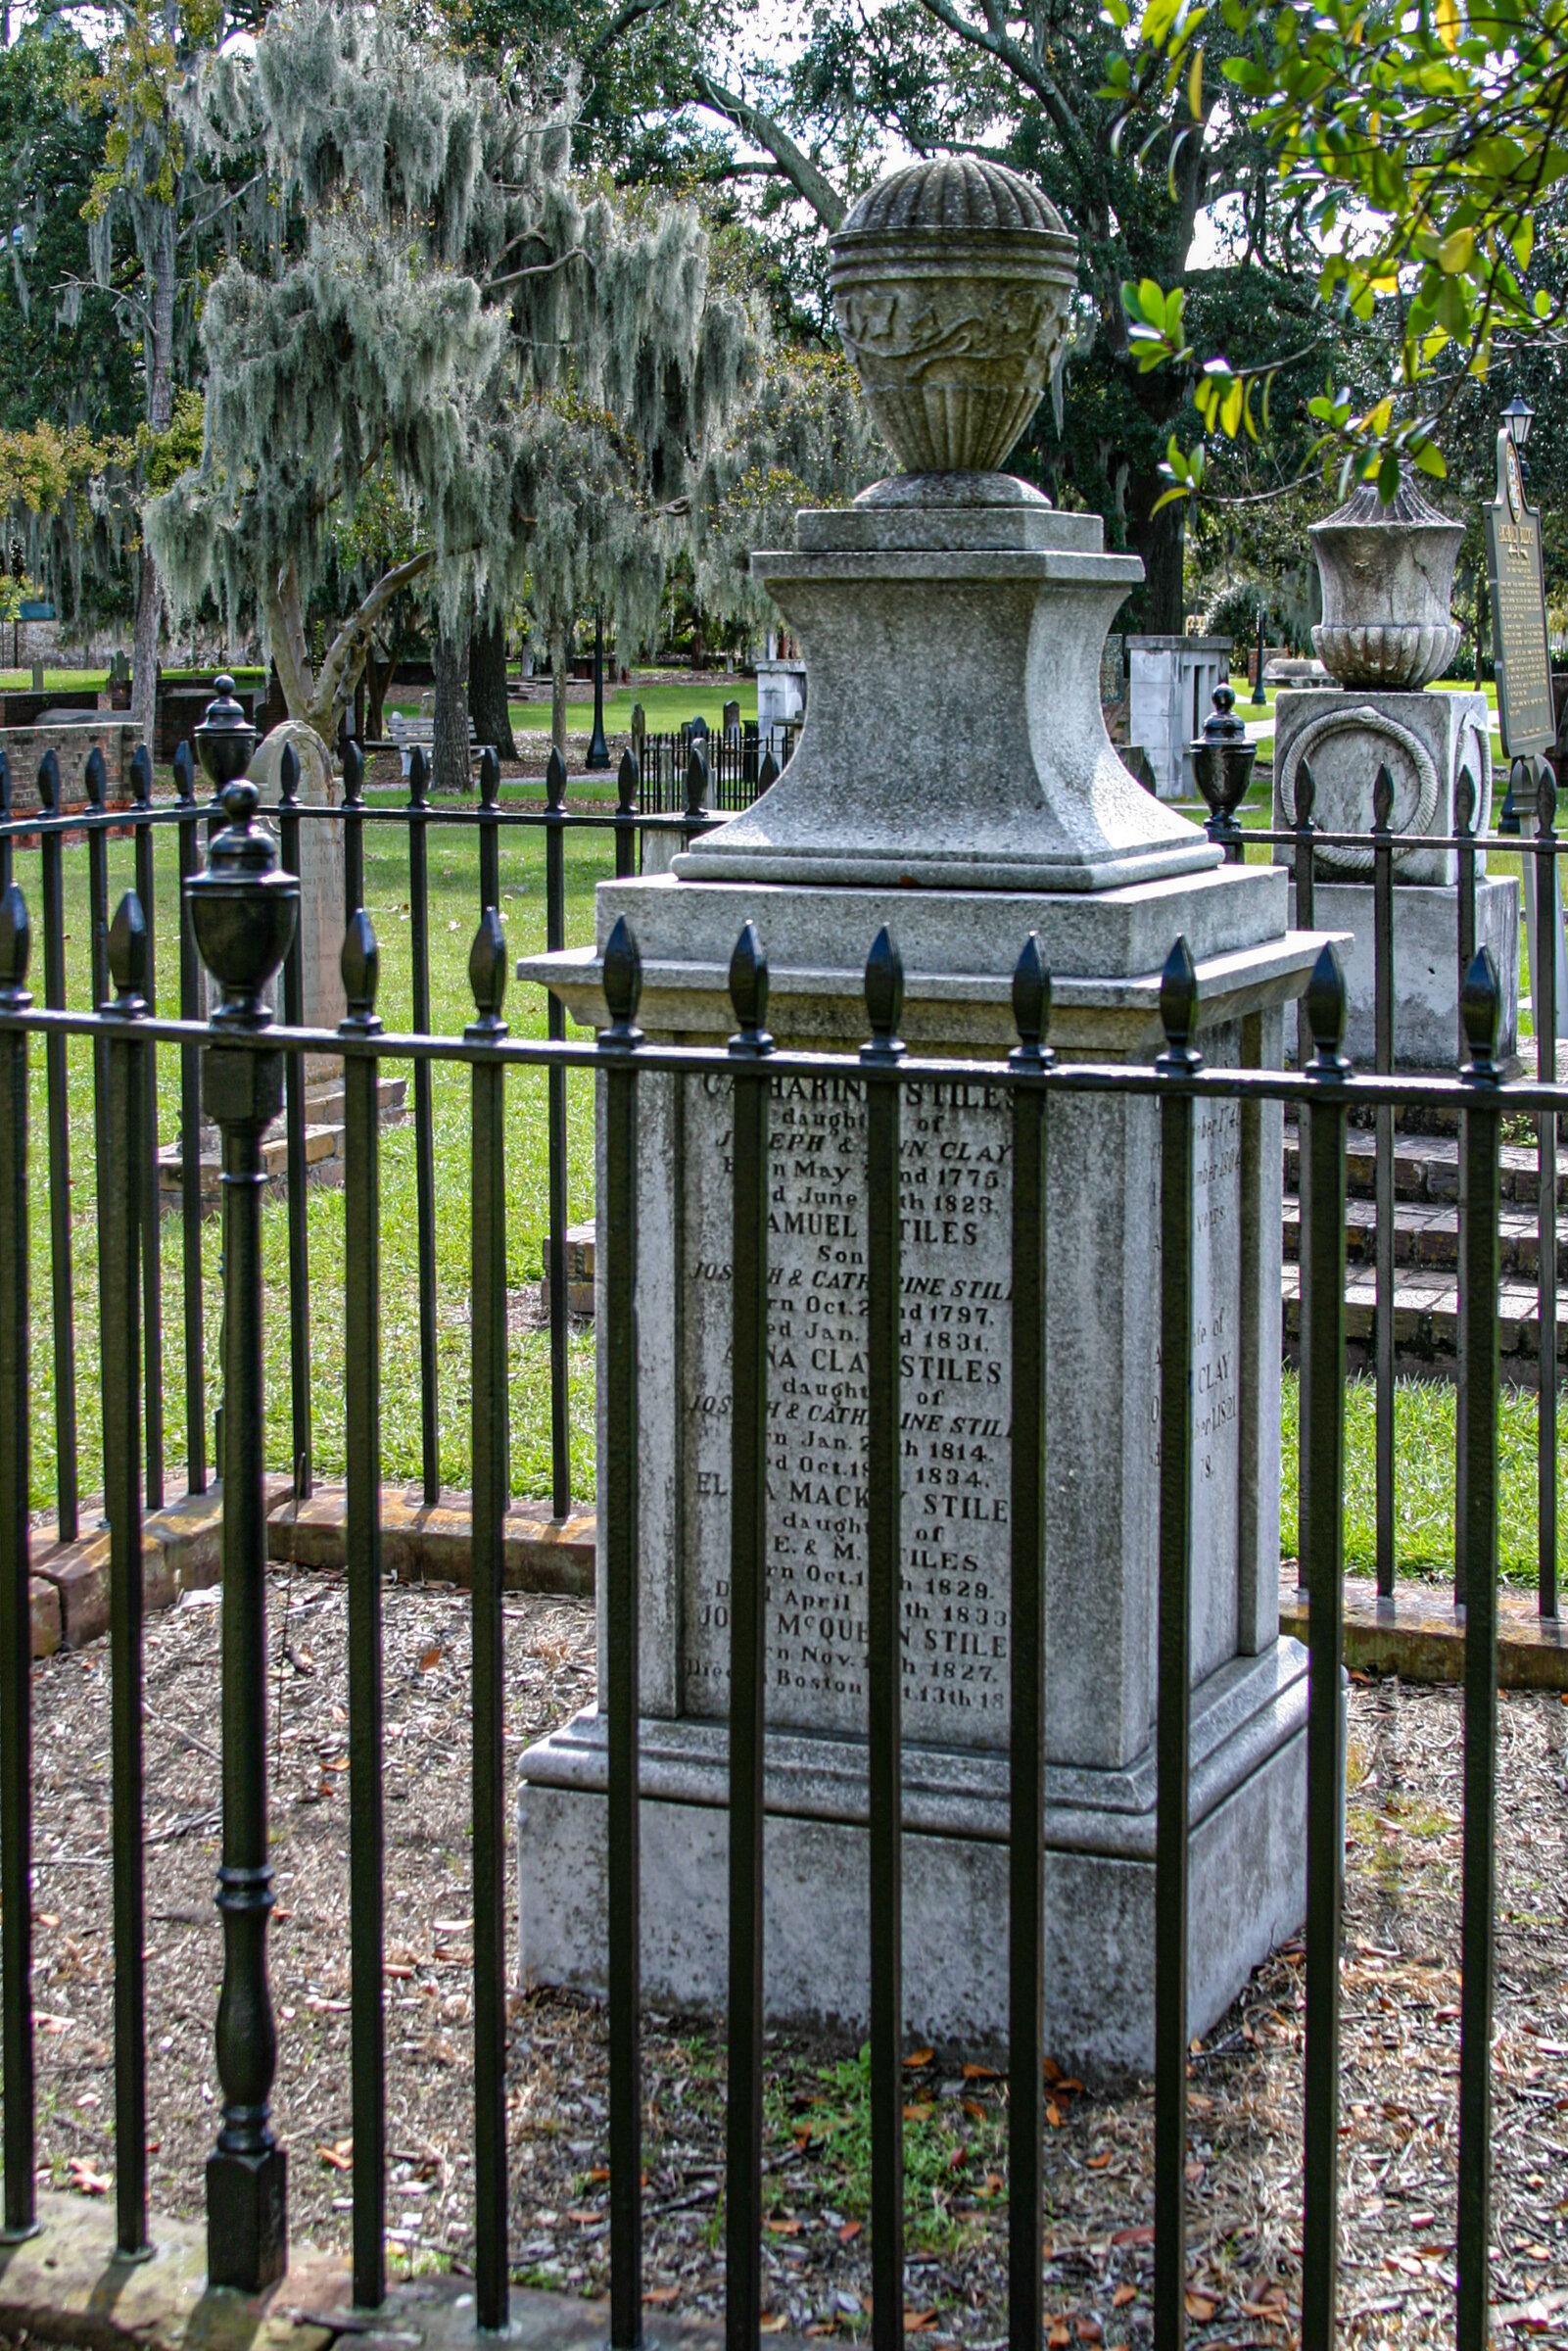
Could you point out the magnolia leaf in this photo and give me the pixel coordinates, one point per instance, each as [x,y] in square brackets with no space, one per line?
[1430,460]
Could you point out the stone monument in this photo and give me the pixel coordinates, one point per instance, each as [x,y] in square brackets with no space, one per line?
[1386,573]
[1011,814]
[1170,685]
[322,875]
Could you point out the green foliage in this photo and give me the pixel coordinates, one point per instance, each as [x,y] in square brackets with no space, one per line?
[1419,150]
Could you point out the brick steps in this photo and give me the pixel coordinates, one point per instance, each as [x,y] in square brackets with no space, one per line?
[1426,1255]
[324,1131]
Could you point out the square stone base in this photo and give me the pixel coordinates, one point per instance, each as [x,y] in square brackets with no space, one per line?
[1246,1888]
[1426,967]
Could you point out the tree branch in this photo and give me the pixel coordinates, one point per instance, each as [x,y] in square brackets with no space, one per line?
[812,185]
[623,22]
[996,43]
[340,670]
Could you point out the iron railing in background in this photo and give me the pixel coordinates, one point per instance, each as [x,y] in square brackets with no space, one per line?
[241,934]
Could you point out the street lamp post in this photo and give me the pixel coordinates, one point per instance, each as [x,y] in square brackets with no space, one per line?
[1260,697]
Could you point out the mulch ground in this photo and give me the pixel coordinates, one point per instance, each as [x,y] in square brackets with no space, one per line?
[1400,2028]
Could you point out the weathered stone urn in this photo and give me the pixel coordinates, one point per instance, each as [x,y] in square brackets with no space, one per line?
[952,282]
[1388,577]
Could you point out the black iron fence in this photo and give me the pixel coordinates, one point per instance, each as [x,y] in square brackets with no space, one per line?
[738,765]
[240,906]
[1535,783]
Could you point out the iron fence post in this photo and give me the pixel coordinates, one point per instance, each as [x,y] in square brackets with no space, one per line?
[1179,1059]
[1480,1133]
[1322,1490]
[243,910]
[748,1641]
[488,829]
[423,1121]
[16,1612]
[353,829]
[1465,815]
[627,786]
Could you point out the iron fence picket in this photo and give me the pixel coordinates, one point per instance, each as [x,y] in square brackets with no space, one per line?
[15,1607]
[560,1424]
[1179,1059]
[1383,1129]
[63,1298]
[1480,1200]
[418,814]
[123,1415]
[619,1044]
[6,873]
[353,811]
[300,1403]
[487,977]
[1026,1500]
[361,1381]
[152,1308]
[1305,861]
[1322,1529]
[748,1641]
[1543,1000]
[190,1136]
[879,1064]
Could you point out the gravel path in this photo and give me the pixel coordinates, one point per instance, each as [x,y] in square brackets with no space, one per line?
[1401,2031]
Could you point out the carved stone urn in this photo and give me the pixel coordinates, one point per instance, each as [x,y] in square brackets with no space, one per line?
[951,281]
[1388,576]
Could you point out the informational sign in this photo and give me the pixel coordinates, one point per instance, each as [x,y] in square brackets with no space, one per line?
[1526,720]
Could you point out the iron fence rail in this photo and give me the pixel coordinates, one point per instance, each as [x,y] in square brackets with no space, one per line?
[245,1057]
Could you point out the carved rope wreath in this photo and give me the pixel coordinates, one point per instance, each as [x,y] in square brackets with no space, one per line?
[1371,722]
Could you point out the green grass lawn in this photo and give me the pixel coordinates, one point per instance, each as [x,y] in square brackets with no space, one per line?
[1425,1412]
[453,915]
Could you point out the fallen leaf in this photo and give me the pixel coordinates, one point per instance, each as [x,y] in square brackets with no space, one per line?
[776,2320]
[919,2057]
[47,1918]
[586,2217]
[915,2320]
[338,2158]
[849,2232]
[1051,2070]
[1142,2235]
[783,2228]
[1053,2113]
[1193,2172]
[981,2073]
[974,2109]
[662,2295]
[1122,2296]
[85,2181]
[1090,2330]
[321,2007]
[994,2183]
[917,2114]
[1059,2337]
[600,2171]
[1069,2090]
[1202,2105]
[430,1659]
[1199,2307]
[1096,2162]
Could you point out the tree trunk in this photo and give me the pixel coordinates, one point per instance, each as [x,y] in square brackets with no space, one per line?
[160,362]
[1161,539]
[144,654]
[558,689]
[450,769]
[486,687]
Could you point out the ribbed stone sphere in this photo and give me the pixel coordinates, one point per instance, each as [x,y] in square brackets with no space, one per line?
[952,282]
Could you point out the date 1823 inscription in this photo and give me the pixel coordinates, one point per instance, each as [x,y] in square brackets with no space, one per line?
[955,1225]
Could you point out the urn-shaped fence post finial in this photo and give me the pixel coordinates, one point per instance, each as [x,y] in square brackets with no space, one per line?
[226,738]
[243,908]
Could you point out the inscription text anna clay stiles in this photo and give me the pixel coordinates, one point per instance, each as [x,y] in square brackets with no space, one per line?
[956,1336]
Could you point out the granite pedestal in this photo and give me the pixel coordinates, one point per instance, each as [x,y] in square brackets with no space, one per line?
[1105,952]
[1426,740]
